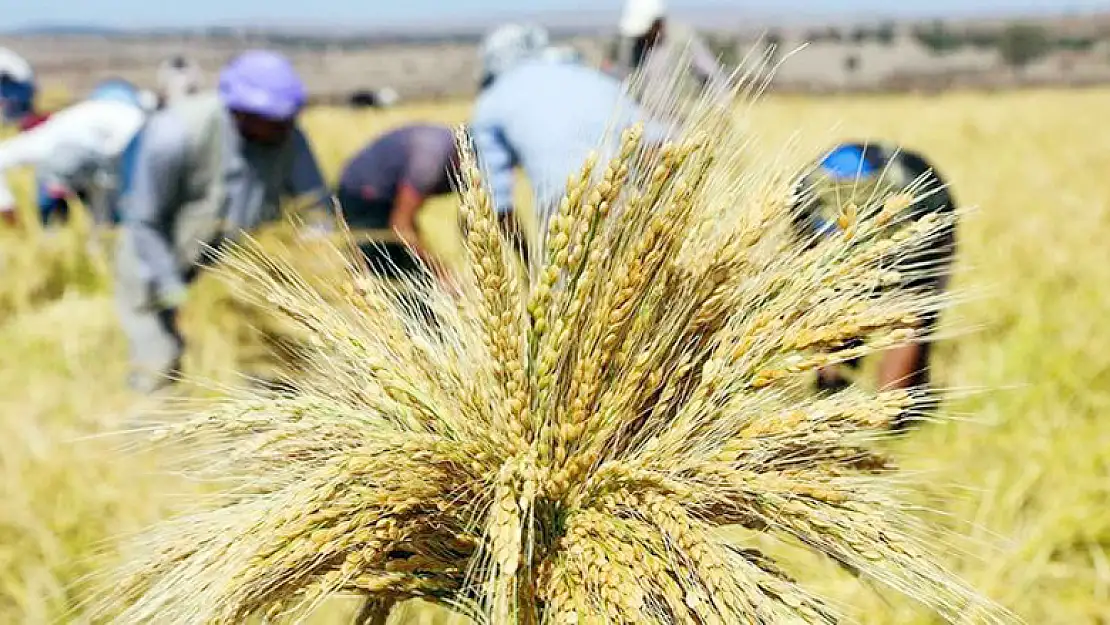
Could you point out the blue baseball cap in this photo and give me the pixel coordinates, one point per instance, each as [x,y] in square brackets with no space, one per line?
[117,90]
[850,161]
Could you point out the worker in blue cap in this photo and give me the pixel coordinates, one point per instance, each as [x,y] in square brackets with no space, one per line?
[209,166]
[860,172]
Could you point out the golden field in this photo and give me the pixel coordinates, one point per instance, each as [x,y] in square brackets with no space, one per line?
[1022,473]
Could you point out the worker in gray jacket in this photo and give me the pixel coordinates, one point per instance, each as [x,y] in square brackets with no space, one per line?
[209,167]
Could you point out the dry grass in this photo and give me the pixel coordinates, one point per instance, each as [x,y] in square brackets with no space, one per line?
[1034,460]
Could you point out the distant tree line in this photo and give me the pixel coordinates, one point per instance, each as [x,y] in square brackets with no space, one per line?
[1019,44]
[885,33]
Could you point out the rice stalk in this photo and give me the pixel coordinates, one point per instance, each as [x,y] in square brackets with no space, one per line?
[565,447]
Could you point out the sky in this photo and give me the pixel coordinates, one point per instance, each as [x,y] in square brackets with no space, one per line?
[385,13]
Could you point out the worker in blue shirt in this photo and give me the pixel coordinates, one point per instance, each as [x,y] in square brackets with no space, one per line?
[544,114]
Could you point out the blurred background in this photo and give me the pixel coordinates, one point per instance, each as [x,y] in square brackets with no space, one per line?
[426,49]
[1008,99]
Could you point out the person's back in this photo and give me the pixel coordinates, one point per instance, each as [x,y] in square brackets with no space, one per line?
[551,115]
[420,155]
[860,172]
[74,149]
[220,183]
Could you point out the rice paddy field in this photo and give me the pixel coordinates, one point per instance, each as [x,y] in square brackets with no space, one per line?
[1021,473]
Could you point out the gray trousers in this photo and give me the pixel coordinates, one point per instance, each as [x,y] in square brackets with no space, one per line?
[154,343]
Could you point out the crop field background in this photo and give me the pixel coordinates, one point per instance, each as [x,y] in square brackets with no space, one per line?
[1022,473]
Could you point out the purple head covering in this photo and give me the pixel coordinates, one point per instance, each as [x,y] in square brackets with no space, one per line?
[263,83]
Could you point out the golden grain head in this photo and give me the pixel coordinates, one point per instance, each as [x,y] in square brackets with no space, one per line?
[572,443]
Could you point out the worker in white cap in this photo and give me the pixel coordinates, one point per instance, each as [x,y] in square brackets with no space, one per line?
[653,46]
[178,77]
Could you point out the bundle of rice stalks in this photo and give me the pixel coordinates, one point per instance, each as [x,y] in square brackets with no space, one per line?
[564,445]
[266,345]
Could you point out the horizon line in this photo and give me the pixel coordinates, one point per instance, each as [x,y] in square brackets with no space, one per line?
[578,19]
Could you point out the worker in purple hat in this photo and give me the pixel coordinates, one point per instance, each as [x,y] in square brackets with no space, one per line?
[210,166]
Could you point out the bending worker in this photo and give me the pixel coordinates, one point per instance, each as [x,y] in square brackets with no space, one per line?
[543,114]
[209,167]
[383,187]
[855,172]
[82,151]
[652,46]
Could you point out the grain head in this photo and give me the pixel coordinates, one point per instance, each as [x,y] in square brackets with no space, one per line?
[571,442]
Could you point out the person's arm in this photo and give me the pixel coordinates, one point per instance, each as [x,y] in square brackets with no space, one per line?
[305,181]
[709,72]
[27,148]
[402,220]
[151,206]
[497,160]
[427,164]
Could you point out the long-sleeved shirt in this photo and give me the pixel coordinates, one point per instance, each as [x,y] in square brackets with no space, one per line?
[547,116]
[77,148]
[245,177]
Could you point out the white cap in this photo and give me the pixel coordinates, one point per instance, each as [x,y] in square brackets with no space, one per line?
[388,96]
[510,44]
[15,66]
[639,15]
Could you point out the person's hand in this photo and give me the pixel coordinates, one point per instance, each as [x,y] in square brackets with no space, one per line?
[10,216]
[57,190]
[449,284]
[173,299]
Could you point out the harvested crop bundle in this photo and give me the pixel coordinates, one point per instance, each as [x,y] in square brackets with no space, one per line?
[563,445]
